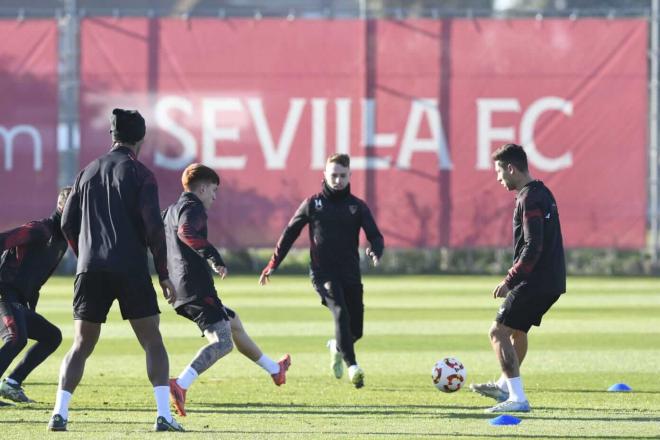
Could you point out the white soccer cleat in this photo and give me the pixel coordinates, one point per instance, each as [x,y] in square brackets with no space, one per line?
[491,390]
[356,375]
[336,363]
[510,406]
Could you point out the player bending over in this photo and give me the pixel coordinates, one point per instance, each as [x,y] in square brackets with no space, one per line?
[335,217]
[190,260]
[30,255]
[534,282]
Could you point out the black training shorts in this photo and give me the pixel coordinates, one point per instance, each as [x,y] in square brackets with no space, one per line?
[205,312]
[523,308]
[94,293]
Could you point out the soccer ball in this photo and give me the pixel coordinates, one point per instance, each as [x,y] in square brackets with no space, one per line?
[448,375]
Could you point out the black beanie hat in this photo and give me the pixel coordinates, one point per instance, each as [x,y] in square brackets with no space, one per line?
[127,125]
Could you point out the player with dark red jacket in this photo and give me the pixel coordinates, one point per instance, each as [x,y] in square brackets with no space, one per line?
[534,282]
[335,217]
[30,254]
[192,259]
[110,219]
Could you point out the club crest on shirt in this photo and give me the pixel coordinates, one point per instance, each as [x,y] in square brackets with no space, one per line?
[318,204]
[352,208]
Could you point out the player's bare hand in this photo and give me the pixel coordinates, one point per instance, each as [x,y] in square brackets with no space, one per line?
[265,276]
[169,292]
[501,290]
[220,270]
[371,254]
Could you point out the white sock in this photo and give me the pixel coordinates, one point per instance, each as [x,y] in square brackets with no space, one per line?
[516,392]
[62,399]
[11,381]
[187,377]
[501,383]
[268,364]
[352,369]
[162,394]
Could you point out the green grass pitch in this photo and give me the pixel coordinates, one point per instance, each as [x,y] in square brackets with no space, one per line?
[603,331]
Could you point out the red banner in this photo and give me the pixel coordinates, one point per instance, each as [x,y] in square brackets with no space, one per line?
[419,105]
[28,120]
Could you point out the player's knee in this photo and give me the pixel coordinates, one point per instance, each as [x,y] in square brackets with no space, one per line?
[497,333]
[15,341]
[54,338]
[226,346]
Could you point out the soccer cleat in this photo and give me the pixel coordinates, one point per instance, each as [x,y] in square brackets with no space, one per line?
[491,390]
[280,377]
[356,375]
[163,425]
[57,423]
[13,392]
[510,406]
[335,359]
[178,397]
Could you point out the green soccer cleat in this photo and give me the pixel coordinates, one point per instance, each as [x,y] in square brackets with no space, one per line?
[491,390]
[13,392]
[163,425]
[57,423]
[510,406]
[335,359]
[356,375]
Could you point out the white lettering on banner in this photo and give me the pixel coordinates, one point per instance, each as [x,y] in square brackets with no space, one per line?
[411,143]
[527,133]
[8,136]
[169,125]
[318,132]
[276,156]
[212,133]
[216,128]
[486,133]
[371,139]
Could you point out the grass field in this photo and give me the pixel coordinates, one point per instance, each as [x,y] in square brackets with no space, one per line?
[603,331]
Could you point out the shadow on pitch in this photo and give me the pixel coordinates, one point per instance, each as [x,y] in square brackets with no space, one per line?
[574,391]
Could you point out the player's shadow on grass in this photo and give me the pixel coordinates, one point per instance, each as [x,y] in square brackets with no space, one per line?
[595,419]
[338,410]
[574,391]
[508,434]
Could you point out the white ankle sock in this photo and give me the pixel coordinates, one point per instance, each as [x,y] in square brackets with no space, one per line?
[516,392]
[501,382]
[187,377]
[352,369]
[11,381]
[62,399]
[162,394]
[268,364]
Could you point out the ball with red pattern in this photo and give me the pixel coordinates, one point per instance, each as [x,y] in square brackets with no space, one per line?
[448,375]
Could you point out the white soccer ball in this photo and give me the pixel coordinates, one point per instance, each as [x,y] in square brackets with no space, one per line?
[448,375]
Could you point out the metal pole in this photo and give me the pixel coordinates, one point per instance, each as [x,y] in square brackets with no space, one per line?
[68,131]
[653,129]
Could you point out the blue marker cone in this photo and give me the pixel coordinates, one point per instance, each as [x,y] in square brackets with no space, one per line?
[504,419]
[619,387]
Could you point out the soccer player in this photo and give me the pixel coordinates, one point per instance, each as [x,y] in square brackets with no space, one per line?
[534,282]
[110,219]
[335,217]
[190,258]
[30,254]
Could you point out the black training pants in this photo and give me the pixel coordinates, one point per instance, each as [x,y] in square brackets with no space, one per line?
[344,300]
[17,326]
